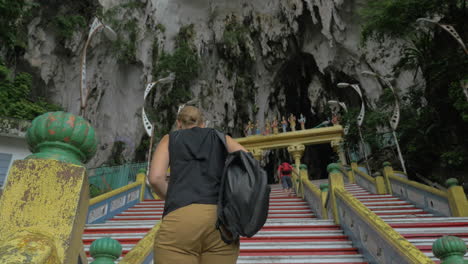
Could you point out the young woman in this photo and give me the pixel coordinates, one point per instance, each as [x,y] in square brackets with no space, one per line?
[196,156]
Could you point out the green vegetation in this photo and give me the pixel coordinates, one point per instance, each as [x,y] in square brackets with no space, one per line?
[126,28]
[12,16]
[434,115]
[67,25]
[184,62]
[15,96]
[235,46]
[397,17]
[161,27]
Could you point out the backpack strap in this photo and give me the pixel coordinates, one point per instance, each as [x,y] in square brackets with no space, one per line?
[222,137]
[226,235]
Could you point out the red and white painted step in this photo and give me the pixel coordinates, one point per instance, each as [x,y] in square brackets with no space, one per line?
[292,233]
[417,226]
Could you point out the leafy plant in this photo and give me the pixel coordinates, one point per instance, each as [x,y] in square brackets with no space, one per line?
[454,159]
[12,12]
[235,46]
[126,28]
[15,96]
[397,17]
[184,63]
[67,24]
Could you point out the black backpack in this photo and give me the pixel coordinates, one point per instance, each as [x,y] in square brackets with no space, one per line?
[243,197]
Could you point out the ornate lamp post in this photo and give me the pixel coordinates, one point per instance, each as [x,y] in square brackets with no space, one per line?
[360,117]
[335,106]
[146,123]
[96,26]
[451,30]
[395,118]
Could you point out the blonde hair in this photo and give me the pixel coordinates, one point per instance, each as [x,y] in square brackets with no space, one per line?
[190,116]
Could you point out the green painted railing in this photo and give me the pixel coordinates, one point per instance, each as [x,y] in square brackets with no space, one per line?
[109,178]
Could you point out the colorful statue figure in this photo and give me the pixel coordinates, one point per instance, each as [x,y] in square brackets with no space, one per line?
[258,130]
[292,122]
[274,125]
[302,121]
[284,124]
[335,120]
[249,128]
[267,128]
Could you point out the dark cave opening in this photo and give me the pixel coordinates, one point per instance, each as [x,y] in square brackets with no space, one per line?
[293,80]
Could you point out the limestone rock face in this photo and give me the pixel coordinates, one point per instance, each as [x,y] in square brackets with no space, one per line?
[296,51]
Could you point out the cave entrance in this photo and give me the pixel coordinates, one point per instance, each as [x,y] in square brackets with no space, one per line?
[298,81]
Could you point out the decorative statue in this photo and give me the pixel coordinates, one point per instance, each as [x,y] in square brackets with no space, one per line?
[257,126]
[284,124]
[302,121]
[292,122]
[267,128]
[336,118]
[274,125]
[249,128]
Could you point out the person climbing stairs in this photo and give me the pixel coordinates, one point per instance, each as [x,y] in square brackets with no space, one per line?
[292,233]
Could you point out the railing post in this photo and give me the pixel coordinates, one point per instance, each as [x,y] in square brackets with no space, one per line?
[141,178]
[450,249]
[323,197]
[388,172]
[457,198]
[257,153]
[45,202]
[379,183]
[105,250]
[296,151]
[351,177]
[335,180]
[337,146]
[304,177]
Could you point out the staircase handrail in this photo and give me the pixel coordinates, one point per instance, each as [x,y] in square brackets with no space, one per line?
[418,185]
[142,250]
[364,175]
[395,240]
[115,192]
[376,185]
[319,197]
[109,204]
[365,228]
[452,202]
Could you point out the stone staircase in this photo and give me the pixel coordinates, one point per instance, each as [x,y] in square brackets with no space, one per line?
[417,226]
[292,233]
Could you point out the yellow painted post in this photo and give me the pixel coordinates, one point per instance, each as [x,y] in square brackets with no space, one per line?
[351,176]
[257,153]
[304,177]
[380,185]
[388,172]
[335,180]
[141,178]
[45,202]
[296,151]
[337,146]
[323,197]
[457,198]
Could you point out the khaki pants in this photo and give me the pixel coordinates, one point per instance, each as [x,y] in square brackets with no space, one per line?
[188,235]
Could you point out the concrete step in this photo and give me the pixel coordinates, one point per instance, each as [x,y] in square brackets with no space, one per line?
[304,259]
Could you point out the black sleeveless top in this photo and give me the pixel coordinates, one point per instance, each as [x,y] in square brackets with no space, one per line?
[196,160]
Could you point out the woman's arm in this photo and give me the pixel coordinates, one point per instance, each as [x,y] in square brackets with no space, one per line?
[233,146]
[159,166]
